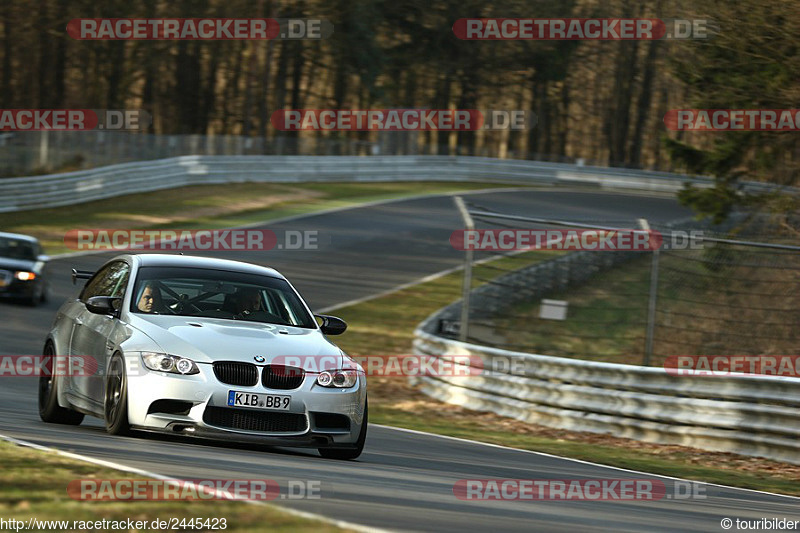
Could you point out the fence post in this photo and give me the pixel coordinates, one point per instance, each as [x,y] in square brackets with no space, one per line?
[467,282]
[44,145]
[651,306]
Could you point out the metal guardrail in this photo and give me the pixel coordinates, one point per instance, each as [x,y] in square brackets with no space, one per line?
[750,415]
[17,194]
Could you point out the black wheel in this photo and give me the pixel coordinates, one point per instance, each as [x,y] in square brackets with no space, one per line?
[37,297]
[49,410]
[349,453]
[116,398]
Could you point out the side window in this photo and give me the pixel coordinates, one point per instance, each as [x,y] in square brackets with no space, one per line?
[122,276]
[111,280]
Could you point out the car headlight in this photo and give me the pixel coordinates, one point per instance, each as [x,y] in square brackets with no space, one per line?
[339,379]
[25,276]
[173,364]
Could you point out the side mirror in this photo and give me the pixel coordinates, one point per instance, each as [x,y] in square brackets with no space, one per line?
[43,258]
[80,274]
[332,325]
[104,305]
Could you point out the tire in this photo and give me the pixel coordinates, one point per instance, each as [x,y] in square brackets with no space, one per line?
[36,298]
[346,454]
[49,410]
[116,398]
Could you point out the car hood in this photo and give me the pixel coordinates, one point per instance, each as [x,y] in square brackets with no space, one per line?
[7,263]
[206,340]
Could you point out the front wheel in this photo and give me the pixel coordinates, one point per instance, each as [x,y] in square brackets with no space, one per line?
[49,410]
[37,296]
[116,398]
[349,453]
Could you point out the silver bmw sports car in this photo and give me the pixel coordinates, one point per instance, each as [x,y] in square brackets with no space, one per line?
[207,348]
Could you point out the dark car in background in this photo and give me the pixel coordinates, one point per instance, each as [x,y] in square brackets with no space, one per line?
[22,268]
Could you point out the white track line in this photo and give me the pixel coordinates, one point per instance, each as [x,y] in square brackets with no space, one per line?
[581,461]
[139,472]
[429,277]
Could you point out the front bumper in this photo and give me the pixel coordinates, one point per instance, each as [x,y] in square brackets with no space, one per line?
[197,406]
[19,289]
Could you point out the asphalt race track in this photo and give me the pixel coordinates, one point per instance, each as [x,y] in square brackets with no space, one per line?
[403,481]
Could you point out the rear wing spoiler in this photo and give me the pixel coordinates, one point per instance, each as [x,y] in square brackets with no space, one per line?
[80,274]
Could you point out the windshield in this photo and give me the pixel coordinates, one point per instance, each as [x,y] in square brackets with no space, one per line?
[218,294]
[17,249]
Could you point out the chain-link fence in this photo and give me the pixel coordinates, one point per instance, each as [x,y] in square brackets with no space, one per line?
[723,299]
[29,153]
[701,292]
[43,152]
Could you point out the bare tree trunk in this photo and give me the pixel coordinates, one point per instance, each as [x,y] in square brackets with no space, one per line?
[114,97]
[187,74]
[442,101]
[645,100]
[619,113]
[539,104]
[252,64]
[232,89]
[42,85]
[298,66]
[8,52]
[209,93]
[262,100]
[563,120]
[59,68]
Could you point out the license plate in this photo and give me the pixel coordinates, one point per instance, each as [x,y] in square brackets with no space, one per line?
[277,402]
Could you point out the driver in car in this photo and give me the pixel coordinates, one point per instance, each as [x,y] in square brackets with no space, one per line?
[248,301]
[150,300]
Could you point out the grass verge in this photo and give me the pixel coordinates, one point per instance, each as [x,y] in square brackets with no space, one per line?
[33,484]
